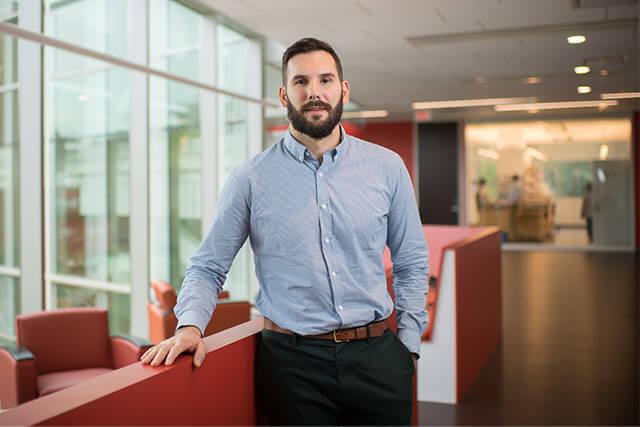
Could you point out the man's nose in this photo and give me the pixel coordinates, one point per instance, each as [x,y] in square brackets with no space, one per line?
[314,91]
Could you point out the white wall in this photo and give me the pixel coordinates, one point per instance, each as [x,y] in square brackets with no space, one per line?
[568,211]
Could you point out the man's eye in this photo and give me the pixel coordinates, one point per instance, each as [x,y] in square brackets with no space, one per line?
[327,80]
[300,81]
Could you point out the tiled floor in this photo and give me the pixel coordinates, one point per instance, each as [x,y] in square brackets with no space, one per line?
[569,353]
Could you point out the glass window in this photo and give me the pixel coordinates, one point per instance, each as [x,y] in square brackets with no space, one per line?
[233,135]
[87,115]
[117,303]
[175,145]
[88,158]
[9,180]
[9,307]
[99,25]
[8,9]
[232,76]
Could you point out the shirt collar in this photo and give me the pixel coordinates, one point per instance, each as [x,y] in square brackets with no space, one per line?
[297,150]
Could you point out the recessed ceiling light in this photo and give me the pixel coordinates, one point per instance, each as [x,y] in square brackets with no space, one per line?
[604,73]
[582,69]
[533,80]
[576,39]
[584,89]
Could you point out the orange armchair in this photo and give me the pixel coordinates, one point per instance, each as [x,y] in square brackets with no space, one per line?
[57,349]
[163,322]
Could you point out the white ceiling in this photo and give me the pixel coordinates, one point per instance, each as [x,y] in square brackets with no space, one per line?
[395,52]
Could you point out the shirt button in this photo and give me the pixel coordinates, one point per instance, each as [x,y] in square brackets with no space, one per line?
[326,240]
[320,174]
[340,307]
[323,206]
[334,274]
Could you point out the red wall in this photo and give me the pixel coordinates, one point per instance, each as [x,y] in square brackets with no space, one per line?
[396,136]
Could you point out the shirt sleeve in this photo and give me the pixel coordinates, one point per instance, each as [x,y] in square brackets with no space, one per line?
[409,254]
[212,260]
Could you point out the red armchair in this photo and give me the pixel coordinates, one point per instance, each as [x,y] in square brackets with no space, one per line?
[162,320]
[60,348]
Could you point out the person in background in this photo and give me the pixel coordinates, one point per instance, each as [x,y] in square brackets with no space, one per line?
[587,210]
[482,198]
[319,207]
[516,190]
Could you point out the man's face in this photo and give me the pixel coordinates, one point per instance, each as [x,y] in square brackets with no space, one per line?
[314,94]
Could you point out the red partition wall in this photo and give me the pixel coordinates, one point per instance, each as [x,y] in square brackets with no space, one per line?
[478,304]
[396,136]
[220,392]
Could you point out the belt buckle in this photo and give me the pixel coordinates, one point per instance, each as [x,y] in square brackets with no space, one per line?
[336,340]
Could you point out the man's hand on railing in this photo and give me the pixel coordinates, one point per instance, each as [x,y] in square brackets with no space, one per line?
[187,339]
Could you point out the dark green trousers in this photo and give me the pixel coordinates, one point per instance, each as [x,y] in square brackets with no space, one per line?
[303,381]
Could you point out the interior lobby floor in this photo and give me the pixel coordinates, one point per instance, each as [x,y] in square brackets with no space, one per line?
[570,346]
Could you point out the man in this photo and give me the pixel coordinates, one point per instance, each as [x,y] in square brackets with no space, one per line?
[319,208]
[586,211]
[515,192]
[482,197]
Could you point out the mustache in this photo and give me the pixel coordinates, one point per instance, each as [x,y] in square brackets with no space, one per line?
[316,104]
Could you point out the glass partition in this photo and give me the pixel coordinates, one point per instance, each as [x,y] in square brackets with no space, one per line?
[558,181]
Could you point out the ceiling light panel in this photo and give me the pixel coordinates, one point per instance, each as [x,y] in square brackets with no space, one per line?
[620,95]
[465,103]
[557,105]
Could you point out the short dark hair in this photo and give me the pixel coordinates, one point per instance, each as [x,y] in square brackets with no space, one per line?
[306,45]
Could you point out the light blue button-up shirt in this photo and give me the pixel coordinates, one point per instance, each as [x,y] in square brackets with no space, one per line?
[318,231]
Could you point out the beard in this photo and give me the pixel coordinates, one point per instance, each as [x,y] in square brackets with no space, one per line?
[316,129]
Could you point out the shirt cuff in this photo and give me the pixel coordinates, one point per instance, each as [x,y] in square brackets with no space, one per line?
[410,339]
[192,318]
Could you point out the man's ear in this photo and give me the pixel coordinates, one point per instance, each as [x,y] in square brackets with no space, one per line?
[346,91]
[282,94]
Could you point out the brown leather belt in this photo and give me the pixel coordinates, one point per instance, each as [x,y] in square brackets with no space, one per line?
[376,329]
